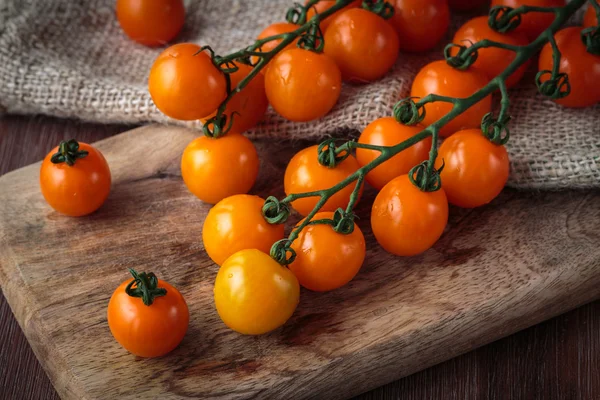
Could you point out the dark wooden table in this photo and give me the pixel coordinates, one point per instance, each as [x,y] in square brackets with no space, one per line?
[558,359]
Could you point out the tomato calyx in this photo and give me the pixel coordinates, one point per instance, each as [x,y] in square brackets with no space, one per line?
[146,287]
[329,155]
[275,211]
[503,19]
[496,130]
[312,40]
[407,112]
[380,7]
[591,39]
[282,252]
[464,58]
[556,87]
[68,152]
[426,177]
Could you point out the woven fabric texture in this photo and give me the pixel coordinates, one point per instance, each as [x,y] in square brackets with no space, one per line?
[69,58]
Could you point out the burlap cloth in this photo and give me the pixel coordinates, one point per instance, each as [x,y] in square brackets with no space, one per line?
[69,58]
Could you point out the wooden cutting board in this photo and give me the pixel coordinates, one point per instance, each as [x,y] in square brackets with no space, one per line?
[496,270]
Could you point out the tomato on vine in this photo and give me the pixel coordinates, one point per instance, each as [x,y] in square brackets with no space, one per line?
[254,294]
[302,85]
[147,316]
[75,178]
[304,174]
[440,78]
[406,220]
[590,18]
[326,260]
[388,132]
[582,68]
[475,169]
[277,28]
[248,107]
[151,23]
[492,60]
[185,84]
[236,223]
[466,5]
[325,5]
[532,23]
[420,24]
[362,45]
[214,169]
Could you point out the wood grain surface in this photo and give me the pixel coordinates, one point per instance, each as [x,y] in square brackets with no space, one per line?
[523,259]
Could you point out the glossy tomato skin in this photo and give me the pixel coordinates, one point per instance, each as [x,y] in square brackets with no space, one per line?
[185,84]
[302,85]
[440,78]
[534,23]
[236,223]
[277,28]
[407,221]
[250,104]
[420,24]
[590,18]
[492,61]
[324,5]
[76,190]
[327,260]
[254,294]
[362,45]
[148,331]
[214,169]
[583,68]
[305,174]
[466,5]
[151,22]
[387,131]
[475,169]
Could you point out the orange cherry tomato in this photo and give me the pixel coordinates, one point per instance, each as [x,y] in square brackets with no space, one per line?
[534,23]
[407,221]
[151,22]
[324,5]
[475,169]
[304,174]
[254,294]
[590,18]
[492,61]
[362,45]
[277,28]
[389,132]
[213,169]
[77,189]
[440,78]
[420,24]
[466,5]
[147,328]
[185,84]
[302,85]
[583,68]
[250,104]
[236,223]
[326,260]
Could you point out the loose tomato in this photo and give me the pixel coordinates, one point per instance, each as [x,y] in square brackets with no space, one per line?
[304,174]
[466,5]
[420,24]
[362,45]
[147,326]
[214,169]
[475,169]
[185,84]
[236,223]
[324,5]
[250,104]
[277,28]
[78,189]
[590,17]
[302,85]
[407,221]
[440,78]
[389,132]
[533,23]
[326,260]
[583,68]
[254,294]
[492,61]
[151,22]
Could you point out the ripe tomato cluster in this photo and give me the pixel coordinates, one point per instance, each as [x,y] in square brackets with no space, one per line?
[257,287]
